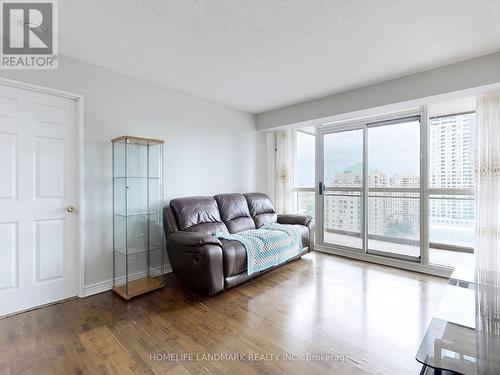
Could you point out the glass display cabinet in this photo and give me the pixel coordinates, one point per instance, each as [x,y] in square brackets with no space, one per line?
[138,241]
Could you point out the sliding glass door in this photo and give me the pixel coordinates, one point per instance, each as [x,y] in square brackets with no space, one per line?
[393,154]
[369,188]
[342,188]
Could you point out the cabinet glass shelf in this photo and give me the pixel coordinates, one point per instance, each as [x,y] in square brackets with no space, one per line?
[134,252]
[138,241]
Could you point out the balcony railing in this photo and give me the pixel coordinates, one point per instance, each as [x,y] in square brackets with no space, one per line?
[403,241]
[305,204]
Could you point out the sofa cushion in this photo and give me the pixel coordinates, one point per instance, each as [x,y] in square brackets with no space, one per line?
[234,212]
[234,257]
[234,254]
[198,214]
[261,209]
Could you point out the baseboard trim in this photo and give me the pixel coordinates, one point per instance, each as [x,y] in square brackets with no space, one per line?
[102,286]
[106,285]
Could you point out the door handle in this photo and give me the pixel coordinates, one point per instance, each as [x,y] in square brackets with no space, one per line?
[320,188]
[70,209]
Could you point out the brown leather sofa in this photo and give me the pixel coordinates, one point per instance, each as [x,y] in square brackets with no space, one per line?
[210,265]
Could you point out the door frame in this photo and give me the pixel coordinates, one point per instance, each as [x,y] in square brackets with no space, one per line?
[80,175]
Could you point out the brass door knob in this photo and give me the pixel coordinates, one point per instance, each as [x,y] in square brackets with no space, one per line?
[70,209]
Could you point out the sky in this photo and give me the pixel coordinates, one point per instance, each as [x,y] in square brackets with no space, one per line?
[392,149]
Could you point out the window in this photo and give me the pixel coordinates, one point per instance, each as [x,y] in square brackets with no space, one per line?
[373,197]
[343,180]
[304,171]
[394,187]
[451,189]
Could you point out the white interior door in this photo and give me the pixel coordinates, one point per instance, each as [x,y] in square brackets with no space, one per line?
[38,233]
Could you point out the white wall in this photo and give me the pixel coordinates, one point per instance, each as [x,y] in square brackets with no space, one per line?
[473,73]
[210,148]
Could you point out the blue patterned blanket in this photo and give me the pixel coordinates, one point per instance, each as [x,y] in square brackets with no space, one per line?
[267,246]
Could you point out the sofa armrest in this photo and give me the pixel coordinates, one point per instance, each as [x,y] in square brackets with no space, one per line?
[193,239]
[294,219]
[196,259]
[305,220]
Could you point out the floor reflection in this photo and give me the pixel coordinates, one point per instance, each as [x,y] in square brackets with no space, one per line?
[375,314]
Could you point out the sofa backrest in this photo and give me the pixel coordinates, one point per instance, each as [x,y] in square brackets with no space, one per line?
[261,209]
[223,213]
[198,214]
[234,212]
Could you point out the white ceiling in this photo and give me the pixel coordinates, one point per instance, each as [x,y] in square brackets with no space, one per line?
[258,55]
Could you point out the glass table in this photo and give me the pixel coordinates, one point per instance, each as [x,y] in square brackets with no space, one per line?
[462,337]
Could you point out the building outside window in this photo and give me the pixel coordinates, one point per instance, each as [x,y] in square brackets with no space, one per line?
[451,189]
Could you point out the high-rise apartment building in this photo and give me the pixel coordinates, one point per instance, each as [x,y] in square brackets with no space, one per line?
[452,167]
[387,214]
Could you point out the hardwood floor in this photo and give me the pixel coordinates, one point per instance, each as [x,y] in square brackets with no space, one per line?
[368,318]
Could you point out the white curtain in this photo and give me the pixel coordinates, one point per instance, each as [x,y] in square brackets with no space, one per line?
[271,165]
[488,185]
[283,190]
[487,232]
